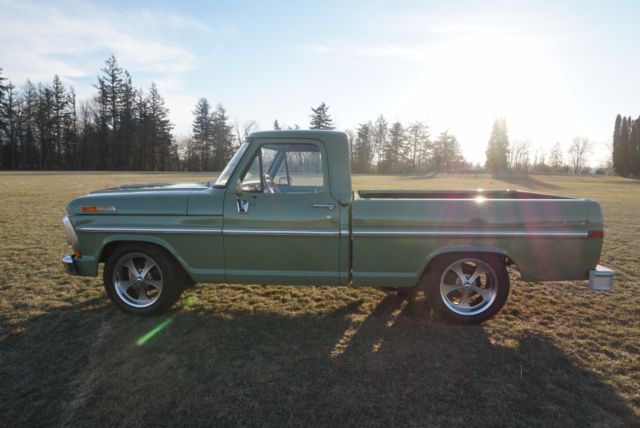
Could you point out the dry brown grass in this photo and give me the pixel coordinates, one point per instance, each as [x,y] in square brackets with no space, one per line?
[557,354]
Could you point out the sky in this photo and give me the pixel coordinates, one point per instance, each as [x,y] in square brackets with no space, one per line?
[553,69]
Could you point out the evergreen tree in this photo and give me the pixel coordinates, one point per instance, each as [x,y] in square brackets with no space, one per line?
[222,137]
[3,109]
[28,128]
[158,128]
[202,128]
[634,147]
[363,148]
[447,155]
[276,125]
[380,132]
[616,156]
[498,147]
[624,149]
[128,135]
[10,156]
[393,149]
[419,145]
[320,118]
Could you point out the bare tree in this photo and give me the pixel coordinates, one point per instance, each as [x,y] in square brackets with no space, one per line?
[578,150]
[555,157]
[243,131]
[519,154]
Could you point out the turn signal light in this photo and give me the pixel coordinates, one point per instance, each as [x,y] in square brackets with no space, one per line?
[89,209]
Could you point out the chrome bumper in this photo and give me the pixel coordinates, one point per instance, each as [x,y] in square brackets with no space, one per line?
[69,266]
[601,278]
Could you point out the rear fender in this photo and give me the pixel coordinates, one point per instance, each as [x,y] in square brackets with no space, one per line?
[462,249]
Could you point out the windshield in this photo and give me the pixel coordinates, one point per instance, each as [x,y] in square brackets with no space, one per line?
[231,166]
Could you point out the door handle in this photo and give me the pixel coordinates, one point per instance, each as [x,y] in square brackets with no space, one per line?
[325,206]
[243,206]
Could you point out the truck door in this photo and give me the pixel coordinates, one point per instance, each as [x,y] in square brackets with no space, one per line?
[281,224]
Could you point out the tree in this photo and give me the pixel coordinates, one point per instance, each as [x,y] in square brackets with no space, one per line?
[555,157]
[519,155]
[202,128]
[392,149]
[616,155]
[276,125]
[157,126]
[498,147]
[109,99]
[634,147]
[379,136]
[222,137]
[578,151]
[624,148]
[320,118]
[243,131]
[363,148]
[419,145]
[3,110]
[447,155]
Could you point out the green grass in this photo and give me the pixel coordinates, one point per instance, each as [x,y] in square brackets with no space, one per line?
[558,354]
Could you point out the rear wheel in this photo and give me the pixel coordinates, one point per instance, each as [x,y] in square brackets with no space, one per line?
[142,279]
[468,288]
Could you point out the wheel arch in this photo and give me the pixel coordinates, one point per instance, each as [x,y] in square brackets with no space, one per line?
[113,242]
[433,256]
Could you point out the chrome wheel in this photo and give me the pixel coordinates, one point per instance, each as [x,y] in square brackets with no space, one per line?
[138,280]
[468,286]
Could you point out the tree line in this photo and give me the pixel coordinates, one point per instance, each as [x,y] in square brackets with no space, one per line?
[383,147]
[626,146]
[44,127]
[504,156]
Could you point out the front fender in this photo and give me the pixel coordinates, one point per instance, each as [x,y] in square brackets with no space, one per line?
[87,265]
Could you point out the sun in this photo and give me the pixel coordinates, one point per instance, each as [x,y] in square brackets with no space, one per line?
[466,82]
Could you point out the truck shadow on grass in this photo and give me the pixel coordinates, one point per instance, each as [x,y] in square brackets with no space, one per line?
[396,365]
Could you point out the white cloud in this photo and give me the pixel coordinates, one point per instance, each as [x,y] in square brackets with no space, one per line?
[72,39]
[39,40]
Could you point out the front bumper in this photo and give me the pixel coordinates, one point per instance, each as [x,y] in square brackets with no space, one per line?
[69,265]
[601,278]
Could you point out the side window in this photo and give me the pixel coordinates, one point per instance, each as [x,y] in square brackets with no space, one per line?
[251,181]
[285,168]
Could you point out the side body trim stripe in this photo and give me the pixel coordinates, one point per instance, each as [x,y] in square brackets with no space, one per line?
[356,232]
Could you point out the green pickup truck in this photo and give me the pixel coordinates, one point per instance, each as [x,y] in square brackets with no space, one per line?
[283,212]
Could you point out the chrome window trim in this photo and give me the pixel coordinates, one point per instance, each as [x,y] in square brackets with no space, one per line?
[470,233]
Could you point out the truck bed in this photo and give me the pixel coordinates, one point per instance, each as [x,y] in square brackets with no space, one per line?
[396,232]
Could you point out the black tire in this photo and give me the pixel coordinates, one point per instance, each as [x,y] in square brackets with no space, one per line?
[446,292]
[165,271]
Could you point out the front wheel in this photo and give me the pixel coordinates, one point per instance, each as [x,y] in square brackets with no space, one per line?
[142,279]
[468,288]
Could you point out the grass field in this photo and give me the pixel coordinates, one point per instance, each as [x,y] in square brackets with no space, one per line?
[557,354]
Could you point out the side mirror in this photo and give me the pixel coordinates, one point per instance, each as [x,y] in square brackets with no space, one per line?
[239,188]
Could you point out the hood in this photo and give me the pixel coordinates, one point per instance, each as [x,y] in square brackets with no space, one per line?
[159,199]
[152,187]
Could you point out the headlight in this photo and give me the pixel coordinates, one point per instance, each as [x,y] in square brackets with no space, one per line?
[70,233]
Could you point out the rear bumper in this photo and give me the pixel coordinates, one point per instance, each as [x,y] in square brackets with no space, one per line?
[68,263]
[601,278]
